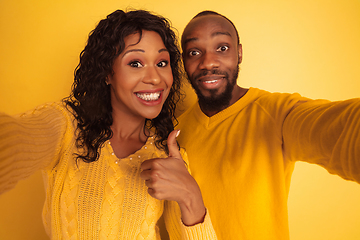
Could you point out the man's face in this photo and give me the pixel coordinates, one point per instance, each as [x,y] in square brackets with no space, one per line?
[211,56]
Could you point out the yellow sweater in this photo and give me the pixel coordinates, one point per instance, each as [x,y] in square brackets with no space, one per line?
[105,199]
[243,157]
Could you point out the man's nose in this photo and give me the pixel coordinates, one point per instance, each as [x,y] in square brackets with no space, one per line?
[209,61]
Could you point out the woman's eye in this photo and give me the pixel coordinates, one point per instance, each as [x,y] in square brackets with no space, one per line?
[135,64]
[222,48]
[163,63]
[193,53]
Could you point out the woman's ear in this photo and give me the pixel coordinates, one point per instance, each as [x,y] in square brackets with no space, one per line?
[107,81]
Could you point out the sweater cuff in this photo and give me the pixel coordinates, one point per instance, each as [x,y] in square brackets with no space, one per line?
[201,231]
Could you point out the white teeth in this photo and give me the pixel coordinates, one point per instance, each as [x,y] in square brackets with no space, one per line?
[211,81]
[149,96]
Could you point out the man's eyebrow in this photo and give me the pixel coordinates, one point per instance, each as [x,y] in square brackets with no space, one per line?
[190,40]
[220,33]
[212,35]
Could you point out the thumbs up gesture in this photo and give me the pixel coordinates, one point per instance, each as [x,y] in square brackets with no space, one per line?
[168,179]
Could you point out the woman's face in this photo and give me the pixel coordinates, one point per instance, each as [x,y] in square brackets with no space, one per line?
[142,77]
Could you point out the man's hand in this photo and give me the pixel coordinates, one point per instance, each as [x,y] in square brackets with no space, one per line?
[168,179]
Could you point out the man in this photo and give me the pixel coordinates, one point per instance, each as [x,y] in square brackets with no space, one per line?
[242,143]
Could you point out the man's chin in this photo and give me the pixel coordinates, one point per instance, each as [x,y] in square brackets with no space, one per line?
[209,93]
[213,100]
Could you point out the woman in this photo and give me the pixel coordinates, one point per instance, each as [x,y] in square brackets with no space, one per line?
[108,152]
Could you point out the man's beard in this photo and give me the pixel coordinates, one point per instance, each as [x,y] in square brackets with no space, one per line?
[216,102]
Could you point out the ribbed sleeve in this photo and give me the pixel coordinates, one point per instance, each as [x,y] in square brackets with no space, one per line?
[177,230]
[29,142]
[202,230]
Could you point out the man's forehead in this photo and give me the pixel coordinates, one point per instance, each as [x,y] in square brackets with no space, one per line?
[212,25]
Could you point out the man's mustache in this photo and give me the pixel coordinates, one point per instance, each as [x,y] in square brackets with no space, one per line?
[211,72]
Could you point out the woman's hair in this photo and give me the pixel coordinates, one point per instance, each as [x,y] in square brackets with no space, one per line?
[90,96]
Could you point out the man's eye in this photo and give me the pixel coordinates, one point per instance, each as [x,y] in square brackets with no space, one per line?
[222,48]
[163,63]
[193,53]
[135,64]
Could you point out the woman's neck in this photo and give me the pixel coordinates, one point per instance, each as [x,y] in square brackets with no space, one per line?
[128,135]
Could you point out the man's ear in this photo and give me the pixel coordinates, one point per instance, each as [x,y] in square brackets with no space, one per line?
[240,53]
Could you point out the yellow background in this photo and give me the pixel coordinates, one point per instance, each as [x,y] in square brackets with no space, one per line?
[305,46]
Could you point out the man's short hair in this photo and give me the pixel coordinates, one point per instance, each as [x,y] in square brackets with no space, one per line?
[209,12]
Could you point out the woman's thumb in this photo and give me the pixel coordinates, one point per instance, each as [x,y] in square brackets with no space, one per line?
[172,144]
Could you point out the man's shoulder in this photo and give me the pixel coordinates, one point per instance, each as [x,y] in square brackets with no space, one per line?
[256,97]
[266,98]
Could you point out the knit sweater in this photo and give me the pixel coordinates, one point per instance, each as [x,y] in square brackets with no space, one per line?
[105,199]
[243,157]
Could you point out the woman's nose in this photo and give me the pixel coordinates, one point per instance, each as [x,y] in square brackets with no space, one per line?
[152,76]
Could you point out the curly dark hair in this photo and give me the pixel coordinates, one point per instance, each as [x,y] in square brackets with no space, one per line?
[90,96]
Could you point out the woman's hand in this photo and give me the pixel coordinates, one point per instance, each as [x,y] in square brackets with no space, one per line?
[168,179]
